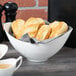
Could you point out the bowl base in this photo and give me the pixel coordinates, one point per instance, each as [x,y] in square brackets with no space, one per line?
[37,60]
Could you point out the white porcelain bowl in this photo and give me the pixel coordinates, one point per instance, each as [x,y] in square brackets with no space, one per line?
[37,52]
[3,50]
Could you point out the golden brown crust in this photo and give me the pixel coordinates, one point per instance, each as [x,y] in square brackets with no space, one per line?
[43,33]
[18,27]
[58,28]
[36,28]
[32,26]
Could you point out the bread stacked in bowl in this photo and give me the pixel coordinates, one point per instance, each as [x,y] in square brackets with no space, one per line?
[37,28]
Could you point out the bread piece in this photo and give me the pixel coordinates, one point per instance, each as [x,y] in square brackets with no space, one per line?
[18,28]
[43,33]
[29,21]
[58,28]
[32,26]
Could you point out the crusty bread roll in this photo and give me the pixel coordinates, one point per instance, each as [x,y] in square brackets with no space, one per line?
[43,33]
[18,27]
[58,28]
[32,26]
